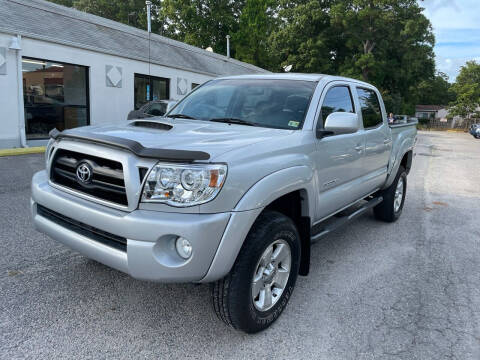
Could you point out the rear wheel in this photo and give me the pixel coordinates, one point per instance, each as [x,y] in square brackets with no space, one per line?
[391,207]
[257,289]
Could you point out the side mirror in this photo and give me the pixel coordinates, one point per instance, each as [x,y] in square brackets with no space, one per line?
[341,123]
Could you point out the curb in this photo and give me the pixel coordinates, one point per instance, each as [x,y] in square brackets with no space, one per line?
[22,151]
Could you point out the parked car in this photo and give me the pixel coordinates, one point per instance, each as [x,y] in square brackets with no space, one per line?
[152,108]
[231,187]
[475,130]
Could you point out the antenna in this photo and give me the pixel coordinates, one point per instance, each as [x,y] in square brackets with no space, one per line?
[149,29]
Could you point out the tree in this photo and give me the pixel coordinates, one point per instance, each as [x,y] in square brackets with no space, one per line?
[255,24]
[388,43]
[436,91]
[202,23]
[467,90]
[385,42]
[303,37]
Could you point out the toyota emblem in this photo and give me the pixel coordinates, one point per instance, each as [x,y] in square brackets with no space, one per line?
[84,173]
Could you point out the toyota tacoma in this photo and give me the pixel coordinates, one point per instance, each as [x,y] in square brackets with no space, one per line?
[230,187]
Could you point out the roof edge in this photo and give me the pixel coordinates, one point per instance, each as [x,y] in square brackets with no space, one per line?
[100,50]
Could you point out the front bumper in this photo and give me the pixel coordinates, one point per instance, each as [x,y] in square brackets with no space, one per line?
[150,252]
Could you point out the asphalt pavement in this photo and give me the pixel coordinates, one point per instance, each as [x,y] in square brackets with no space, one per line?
[408,290]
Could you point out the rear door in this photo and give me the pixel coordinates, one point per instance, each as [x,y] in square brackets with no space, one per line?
[377,138]
[338,158]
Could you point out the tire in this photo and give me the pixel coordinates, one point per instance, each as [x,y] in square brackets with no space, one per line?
[388,210]
[233,298]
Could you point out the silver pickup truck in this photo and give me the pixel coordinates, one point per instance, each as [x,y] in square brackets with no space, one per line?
[230,187]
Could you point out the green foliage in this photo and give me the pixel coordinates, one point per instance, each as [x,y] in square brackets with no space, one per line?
[303,38]
[467,90]
[386,42]
[436,91]
[68,3]
[256,22]
[202,23]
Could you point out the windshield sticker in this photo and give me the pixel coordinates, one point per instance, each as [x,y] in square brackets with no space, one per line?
[293,123]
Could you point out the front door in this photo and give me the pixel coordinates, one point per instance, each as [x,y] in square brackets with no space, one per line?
[338,157]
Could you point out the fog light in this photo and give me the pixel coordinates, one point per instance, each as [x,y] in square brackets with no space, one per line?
[184,248]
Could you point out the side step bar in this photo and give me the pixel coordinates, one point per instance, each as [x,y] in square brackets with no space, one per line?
[333,223]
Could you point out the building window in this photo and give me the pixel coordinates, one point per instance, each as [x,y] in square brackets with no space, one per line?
[194,85]
[149,88]
[55,95]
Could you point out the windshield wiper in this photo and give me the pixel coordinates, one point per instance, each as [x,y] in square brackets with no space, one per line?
[229,120]
[181,116]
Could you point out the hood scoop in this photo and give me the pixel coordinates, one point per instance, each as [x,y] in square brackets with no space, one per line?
[151,125]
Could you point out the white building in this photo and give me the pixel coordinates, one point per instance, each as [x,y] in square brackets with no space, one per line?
[62,68]
[431,112]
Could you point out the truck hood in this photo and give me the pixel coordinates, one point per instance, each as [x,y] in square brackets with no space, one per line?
[180,134]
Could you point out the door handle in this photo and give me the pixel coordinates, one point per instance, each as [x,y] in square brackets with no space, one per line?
[359,148]
[387,141]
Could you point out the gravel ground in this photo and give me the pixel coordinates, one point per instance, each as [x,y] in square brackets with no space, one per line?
[408,290]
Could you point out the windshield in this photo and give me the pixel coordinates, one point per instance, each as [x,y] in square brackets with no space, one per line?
[280,104]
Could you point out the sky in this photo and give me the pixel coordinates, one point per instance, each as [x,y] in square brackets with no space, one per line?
[456,25]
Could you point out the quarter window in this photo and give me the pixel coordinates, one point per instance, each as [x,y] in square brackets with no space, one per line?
[338,99]
[370,106]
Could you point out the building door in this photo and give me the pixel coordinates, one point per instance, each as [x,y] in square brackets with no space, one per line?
[55,95]
[148,88]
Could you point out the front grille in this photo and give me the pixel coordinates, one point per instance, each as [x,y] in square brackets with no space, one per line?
[106,183]
[88,231]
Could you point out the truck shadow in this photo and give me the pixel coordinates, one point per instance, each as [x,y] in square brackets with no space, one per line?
[177,310]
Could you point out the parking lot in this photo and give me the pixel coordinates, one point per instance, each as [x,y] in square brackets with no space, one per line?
[408,290]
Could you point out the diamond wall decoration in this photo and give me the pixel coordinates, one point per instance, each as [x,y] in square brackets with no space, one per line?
[182,86]
[113,76]
[3,61]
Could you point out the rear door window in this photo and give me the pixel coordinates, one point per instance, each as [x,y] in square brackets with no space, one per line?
[370,107]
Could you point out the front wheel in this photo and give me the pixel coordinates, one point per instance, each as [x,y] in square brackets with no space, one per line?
[257,289]
[391,207]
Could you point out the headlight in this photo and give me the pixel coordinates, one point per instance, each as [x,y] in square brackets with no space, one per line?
[183,185]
